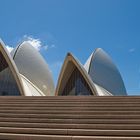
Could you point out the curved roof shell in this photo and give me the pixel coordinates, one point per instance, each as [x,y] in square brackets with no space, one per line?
[32,66]
[103,72]
[13,71]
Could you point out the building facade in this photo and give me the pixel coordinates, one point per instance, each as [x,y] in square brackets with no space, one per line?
[25,72]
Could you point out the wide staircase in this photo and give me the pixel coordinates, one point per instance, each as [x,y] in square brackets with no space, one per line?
[70,118]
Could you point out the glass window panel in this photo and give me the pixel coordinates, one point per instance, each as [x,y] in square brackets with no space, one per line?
[8,84]
[76,85]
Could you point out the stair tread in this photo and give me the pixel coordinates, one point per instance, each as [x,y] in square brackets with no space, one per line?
[70,118]
[6,136]
[71,126]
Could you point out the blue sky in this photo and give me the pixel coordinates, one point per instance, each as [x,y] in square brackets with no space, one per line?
[77,26]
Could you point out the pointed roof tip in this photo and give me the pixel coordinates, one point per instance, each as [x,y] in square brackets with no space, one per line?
[25,42]
[95,51]
[92,55]
[69,54]
[98,49]
[101,52]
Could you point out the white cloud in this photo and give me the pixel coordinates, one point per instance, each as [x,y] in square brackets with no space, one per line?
[37,43]
[132,50]
[9,48]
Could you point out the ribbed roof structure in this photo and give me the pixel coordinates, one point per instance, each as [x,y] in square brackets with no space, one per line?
[27,73]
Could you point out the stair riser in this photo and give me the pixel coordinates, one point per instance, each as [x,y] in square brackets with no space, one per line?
[80,132]
[43,122]
[64,116]
[53,112]
[75,126]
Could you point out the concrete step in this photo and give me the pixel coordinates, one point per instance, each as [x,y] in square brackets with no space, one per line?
[81,132]
[27,122]
[66,112]
[67,105]
[70,102]
[70,116]
[8,136]
[72,98]
[70,108]
[71,126]
[5,136]
[83,108]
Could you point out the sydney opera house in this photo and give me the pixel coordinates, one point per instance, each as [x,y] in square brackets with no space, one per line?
[25,72]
